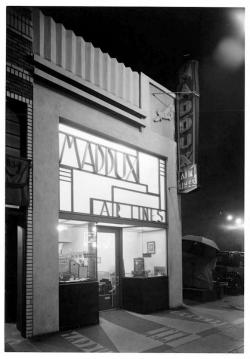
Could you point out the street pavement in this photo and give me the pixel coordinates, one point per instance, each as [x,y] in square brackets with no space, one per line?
[212,327]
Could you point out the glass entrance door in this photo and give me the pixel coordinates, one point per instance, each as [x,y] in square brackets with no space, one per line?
[108,267]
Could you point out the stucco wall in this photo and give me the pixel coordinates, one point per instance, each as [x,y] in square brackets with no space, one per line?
[45,215]
[49,106]
[174,233]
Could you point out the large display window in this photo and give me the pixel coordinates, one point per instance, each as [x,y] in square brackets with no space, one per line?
[102,178]
[90,251]
[144,252]
[77,251]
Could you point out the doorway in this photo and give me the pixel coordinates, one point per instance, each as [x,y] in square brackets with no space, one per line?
[14,269]
[11,269]
[109,266]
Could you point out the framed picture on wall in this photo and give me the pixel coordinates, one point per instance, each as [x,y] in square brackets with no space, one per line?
[151,247]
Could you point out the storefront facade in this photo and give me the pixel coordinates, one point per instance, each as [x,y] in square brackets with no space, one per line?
[106,224]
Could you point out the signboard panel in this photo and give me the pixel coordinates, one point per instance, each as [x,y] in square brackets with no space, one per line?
[103,178]
[187,126]
[187,179]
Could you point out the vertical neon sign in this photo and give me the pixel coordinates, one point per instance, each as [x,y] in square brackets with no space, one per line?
[187,126]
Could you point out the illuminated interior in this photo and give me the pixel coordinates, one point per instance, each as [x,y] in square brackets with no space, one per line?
[148,246]
[77,251]
[86,254]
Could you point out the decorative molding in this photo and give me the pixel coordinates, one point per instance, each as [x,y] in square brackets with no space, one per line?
[18,97]
[117,108]
[19,24]
[19,72]
[166,114]
[64,49]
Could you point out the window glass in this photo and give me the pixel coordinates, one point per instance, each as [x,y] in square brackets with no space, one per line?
[77,251]
[16,128]
[103,178]
[94,139]
[149,165]
[65,196]
[144,252]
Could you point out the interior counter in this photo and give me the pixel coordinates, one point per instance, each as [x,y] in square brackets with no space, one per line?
[78,304]
[145,294]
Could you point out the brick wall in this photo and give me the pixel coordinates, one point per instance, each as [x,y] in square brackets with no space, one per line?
[19,86]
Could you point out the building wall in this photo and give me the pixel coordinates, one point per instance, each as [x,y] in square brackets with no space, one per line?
[122,108]
[174,233]
[49,106]
[45,217]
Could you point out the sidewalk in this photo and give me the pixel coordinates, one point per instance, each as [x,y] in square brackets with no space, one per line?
[213,327]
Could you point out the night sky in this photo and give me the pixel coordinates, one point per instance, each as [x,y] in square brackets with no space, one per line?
[157,41]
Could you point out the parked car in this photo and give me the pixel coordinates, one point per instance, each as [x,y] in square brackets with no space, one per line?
[230,269]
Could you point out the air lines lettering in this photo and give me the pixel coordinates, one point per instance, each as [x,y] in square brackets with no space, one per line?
[129,211]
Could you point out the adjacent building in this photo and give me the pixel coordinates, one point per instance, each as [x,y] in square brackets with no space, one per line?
[92,210]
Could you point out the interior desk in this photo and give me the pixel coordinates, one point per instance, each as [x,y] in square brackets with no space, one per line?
[145,294]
